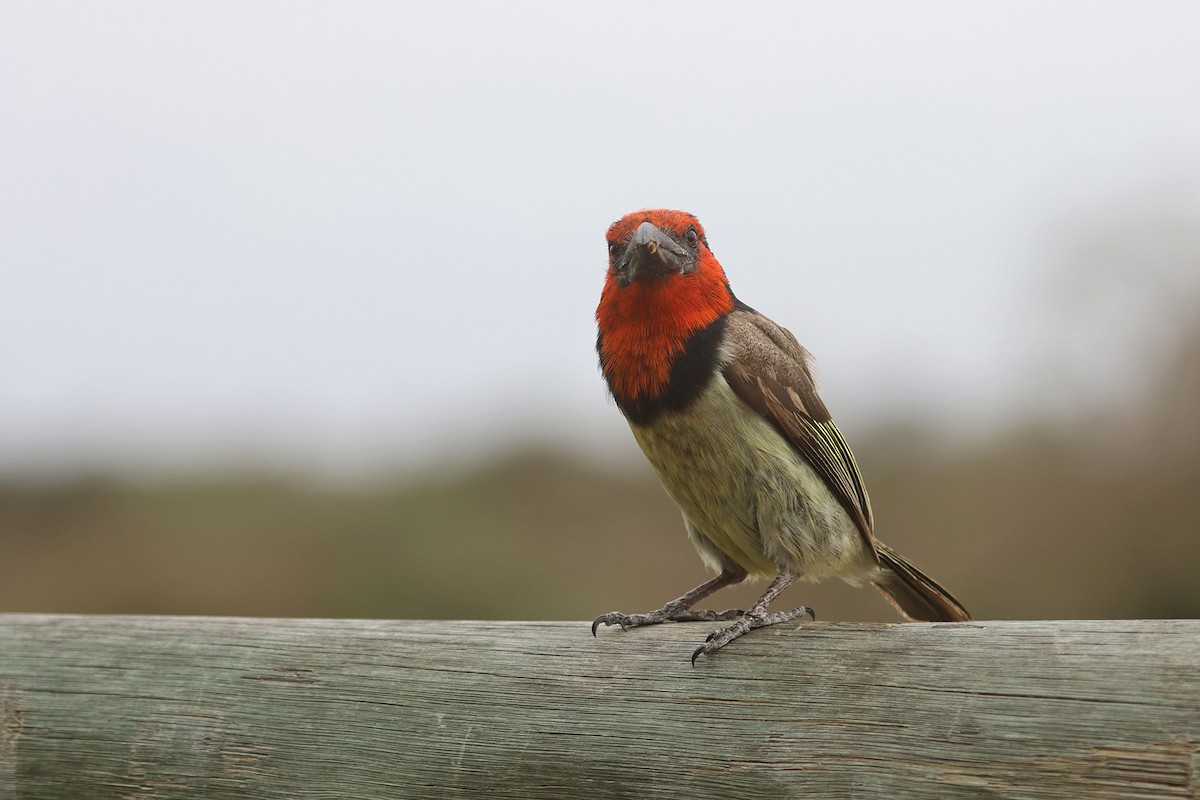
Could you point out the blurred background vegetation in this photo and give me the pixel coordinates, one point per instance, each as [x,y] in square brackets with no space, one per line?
[1088,509]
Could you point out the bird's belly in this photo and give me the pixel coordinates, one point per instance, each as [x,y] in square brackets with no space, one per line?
[747,495]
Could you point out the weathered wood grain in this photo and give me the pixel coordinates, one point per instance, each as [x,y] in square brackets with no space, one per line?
[177,707]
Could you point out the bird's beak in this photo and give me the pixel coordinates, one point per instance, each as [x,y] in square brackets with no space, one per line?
[652,254]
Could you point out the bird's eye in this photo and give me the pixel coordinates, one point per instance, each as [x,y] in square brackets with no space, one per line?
[691,237]
[614,254]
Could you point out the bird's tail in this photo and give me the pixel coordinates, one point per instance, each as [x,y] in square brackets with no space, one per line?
[912,592]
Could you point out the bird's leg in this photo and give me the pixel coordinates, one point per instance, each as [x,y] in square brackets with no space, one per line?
[756,617]
[680,609]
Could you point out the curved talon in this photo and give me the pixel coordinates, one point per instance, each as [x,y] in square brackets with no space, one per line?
[596,623]
[710,637]
[696,653]
[811,614]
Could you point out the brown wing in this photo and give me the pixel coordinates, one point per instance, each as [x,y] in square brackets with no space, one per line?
[771,373]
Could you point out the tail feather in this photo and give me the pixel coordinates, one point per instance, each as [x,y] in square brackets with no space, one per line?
[913,593]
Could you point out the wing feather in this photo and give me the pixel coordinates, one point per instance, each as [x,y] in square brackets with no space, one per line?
[772,373]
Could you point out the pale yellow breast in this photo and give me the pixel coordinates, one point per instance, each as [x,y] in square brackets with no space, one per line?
[746,492]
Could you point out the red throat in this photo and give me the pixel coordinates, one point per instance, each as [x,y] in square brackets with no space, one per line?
[644,325]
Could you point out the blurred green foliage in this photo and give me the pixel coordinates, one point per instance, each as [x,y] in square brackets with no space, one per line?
[1026,526]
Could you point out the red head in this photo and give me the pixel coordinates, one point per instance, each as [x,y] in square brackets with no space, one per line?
[663,285]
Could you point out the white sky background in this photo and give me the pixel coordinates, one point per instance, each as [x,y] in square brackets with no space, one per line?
[335,235]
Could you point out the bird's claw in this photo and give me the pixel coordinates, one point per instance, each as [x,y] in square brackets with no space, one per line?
[611,618]
[672,612]
[744,624]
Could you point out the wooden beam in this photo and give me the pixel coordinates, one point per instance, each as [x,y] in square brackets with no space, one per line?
[192,707]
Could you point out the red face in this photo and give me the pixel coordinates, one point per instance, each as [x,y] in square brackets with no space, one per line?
[663,284]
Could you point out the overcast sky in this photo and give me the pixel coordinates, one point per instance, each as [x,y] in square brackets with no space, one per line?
[343,233]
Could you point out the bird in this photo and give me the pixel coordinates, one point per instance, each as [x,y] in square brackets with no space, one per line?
[724,405]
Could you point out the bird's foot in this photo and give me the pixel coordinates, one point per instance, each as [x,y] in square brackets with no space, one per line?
[748,622]
[668,613]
